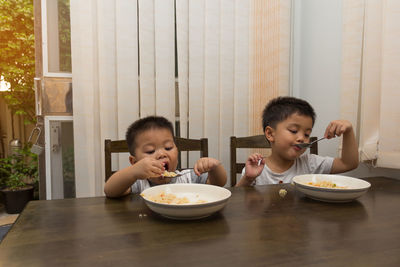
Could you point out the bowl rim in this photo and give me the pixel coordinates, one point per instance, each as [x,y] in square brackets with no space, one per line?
[190,205]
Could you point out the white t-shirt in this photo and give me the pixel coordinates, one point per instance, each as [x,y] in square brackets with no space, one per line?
[305,164]
[188,177]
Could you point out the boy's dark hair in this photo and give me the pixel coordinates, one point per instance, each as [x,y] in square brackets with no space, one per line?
[144,124]
[280,108]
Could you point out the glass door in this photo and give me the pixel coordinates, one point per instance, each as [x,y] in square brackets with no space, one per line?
[60,172]
[53,85]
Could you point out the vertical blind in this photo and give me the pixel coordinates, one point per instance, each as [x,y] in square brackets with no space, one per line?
[231,57]
[370,80]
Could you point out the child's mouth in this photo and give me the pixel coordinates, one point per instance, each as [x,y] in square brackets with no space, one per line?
[166,167]
[296,148]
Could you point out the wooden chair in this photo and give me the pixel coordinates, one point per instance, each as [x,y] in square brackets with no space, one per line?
[183,144]
[256,141]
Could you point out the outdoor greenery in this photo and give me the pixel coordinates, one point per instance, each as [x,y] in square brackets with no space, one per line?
[64,31]
[17,56]
[68,171]
[19,170]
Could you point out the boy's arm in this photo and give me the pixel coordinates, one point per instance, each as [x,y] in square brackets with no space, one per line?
[216,172]
[119,184]
[254,166]
[217,175]
[244,181]
[349,158]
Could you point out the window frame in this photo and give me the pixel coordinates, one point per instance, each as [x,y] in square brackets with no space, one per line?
[45,51]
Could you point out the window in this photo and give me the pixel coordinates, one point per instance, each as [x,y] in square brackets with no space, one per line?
[57,38]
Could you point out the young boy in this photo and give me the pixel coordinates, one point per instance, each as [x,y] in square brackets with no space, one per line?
[288,121]
[152,152]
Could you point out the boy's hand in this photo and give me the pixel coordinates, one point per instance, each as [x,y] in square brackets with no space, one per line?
[337,128]
[349,156]
[205,165]
[252,168]
[148,168]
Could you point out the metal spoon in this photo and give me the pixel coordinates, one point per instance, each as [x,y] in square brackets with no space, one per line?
[307,145]
[177,174]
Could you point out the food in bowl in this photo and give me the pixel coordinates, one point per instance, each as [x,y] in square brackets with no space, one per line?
[169,198]
[326,184]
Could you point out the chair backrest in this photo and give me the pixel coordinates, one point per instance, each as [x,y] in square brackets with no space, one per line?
[255,141]
[183,144]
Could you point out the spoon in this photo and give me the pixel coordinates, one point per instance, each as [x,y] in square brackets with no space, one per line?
[307,145]
[168,174]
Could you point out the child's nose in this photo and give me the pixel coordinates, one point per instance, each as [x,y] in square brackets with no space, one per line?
[301,138]
[161,154]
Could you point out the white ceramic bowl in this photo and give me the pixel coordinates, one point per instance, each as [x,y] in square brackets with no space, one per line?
[216,198]
[354,187]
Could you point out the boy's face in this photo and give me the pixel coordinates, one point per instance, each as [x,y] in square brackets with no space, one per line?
[158,144]
[295,129]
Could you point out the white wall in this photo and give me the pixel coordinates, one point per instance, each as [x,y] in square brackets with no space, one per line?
[316,70]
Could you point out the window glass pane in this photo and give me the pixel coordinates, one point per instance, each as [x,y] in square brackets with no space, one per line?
[67,143]
[62,159]
[58,36]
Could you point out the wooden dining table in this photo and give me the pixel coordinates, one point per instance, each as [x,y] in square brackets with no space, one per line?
[257,227]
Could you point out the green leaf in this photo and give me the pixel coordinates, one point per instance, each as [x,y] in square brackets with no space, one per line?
[17,55]
[19,169]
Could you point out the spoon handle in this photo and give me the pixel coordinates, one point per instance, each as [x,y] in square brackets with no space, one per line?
[317,140]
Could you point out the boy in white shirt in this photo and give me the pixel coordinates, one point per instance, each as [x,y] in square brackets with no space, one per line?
[152,152]
[288,121]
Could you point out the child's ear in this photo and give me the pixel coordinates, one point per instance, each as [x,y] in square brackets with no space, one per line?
[132,159]
[269,133]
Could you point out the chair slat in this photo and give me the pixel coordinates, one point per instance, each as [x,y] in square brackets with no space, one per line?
[119,146]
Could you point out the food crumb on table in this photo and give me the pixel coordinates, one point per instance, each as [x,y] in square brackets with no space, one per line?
[282,192]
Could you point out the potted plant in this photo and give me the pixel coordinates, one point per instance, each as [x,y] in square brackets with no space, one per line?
[19,173]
